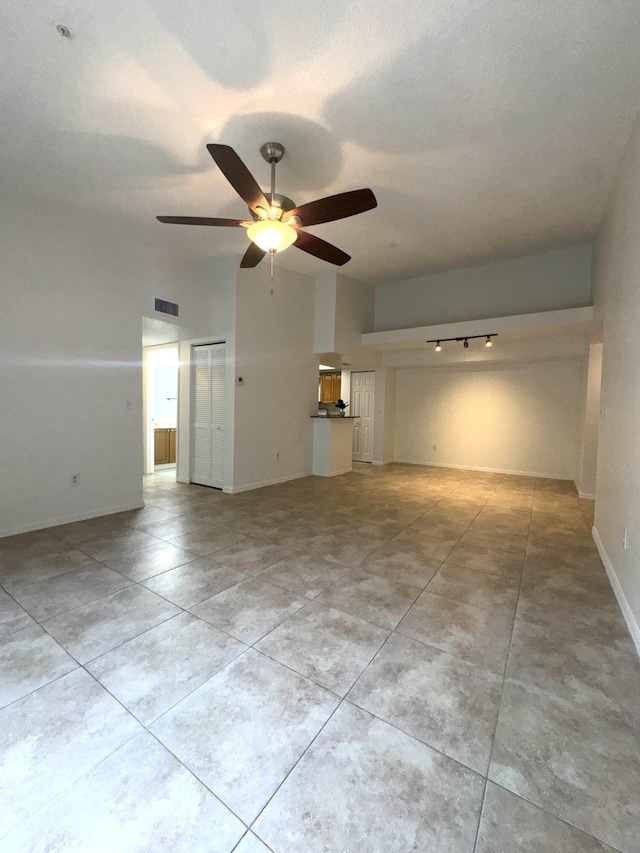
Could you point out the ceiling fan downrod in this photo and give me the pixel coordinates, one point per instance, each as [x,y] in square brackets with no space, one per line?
[272,152]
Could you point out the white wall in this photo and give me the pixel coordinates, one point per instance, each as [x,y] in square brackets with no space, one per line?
[73,296]
[618,302]
[546,281]
[354,317]
[518,419]
[222,287]
[586,480]
[344,310]
[274,354]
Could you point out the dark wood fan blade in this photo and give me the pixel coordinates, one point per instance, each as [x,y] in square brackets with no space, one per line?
[201,220]
[321,249]
[334,207]
[238,175]
[252,256]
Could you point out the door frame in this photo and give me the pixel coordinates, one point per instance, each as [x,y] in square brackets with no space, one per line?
[148,391]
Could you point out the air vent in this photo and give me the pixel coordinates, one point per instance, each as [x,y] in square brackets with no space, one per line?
[165,307]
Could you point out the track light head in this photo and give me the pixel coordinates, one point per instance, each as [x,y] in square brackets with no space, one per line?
[488,342]
[465,343]
[438,346]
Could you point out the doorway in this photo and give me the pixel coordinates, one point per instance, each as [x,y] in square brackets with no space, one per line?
[363,387]
[161,419]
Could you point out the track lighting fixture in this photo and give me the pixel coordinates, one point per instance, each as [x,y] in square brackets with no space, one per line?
[465,341]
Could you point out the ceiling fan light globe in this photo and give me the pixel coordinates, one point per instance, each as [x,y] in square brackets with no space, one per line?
[271,235]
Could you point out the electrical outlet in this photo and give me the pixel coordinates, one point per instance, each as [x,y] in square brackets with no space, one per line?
[75,479]
[625,536]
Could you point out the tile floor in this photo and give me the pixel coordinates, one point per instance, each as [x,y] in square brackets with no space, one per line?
[398,659]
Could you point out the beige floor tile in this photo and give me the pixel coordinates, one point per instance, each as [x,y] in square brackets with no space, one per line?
[486,560]
[206,541]
[143,564]
[250,609]
[324,644]
[251,556]
[400,565]
[568,727]
[192,583]
[364,785]
[580,766]
[477,635]
[29,659]
[242,732]
[51,738]
[92,629]
[442,700]
[591,666]
[154,671]
[305,574]
[511,823]
[61,593]
[158,800]
[12,616]
[499,594]
[375,598]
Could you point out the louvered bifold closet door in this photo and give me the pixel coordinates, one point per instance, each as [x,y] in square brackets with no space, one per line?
[208,414]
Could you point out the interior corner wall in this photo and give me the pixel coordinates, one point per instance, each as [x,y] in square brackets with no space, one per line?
[274,353]
[545,281]
[618,305]
[586,480]
[74,293]
[519,419]
[354,317]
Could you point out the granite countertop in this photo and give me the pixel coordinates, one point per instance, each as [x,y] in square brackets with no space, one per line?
[335,417]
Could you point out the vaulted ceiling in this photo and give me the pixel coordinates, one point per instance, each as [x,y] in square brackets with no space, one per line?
[485,127]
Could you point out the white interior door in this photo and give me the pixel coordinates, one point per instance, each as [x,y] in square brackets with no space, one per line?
[361,405]
[208,414]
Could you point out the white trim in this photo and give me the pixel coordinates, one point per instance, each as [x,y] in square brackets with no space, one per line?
[68,519]
[250,486]
[337,473]
[625,607]
[487,470]
[383,462]
[585,495]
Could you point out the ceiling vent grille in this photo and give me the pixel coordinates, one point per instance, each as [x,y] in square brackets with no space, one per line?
[165,307]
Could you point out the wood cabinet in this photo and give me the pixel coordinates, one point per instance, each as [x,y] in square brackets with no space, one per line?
[330,386]
[164,446]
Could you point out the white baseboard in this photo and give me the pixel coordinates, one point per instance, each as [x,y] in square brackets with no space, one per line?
[546,475]
[383,462]
[67,519]
[586,495]
[627,612]
[335,473]
[250,486]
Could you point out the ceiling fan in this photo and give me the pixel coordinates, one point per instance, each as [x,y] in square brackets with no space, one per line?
[276,223]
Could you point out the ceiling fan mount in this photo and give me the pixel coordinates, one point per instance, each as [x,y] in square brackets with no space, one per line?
[276,222]
[272,152]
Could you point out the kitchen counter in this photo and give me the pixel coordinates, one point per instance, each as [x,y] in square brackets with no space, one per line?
[332,445]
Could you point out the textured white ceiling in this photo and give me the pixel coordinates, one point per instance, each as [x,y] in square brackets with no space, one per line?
[485,127]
